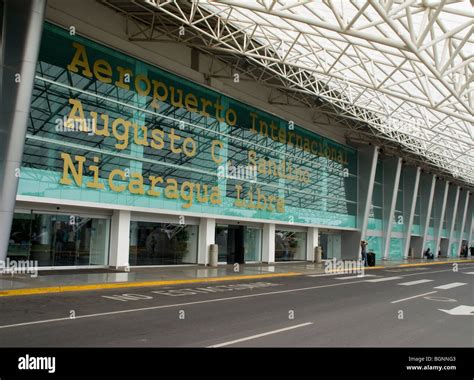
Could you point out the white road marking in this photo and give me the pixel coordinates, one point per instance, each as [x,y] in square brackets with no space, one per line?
[324,274]
[468,272]
[206,301]
[358,276]
[176,305]
[383,279]
[410,269]
[260,335]
[410,298]
[440,299]
[460,310]
[414,282]
[450,286]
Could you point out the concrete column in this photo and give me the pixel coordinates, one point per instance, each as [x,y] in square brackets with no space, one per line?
[441,196]
[367,167]
[20,41]
[207,236]
[120,239]
[427,195]
[463,204]
[452,206]
[311,243]
[392,170]
[411,181]
[268,243]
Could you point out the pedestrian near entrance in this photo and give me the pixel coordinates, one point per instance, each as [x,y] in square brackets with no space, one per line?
[428,254]
[363,246]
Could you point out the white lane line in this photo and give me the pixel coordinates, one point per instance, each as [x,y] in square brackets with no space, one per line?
[450,286]
[176,305]
[384,279]
[410,298]
[358,276]
[260,335]
[324,274]
[414,282]
[468,272]
[206,301]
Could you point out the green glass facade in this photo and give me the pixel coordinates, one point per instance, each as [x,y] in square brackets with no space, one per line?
[108,128]
[115,132]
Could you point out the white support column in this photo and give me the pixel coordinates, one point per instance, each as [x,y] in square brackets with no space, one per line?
[367,169]
[443,197]
[392,170]
[463,209]
[453,220]
[120,239]
[427,212]
[311,243]
[21,23]
[411,183]
[268,244]
[207,236]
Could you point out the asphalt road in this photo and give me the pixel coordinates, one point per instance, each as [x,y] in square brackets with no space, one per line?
[397,307]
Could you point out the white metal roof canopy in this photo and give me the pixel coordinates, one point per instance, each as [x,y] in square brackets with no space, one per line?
[403,67]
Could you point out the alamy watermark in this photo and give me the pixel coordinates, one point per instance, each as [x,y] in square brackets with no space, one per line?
[240,172]
[19,266]
[45,363]
[344,266]
[67,124]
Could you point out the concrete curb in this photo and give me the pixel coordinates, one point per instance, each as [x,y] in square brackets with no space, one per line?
[141,284]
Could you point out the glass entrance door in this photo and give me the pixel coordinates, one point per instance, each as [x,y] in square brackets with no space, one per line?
[331,245]
[238,244]
[59,240]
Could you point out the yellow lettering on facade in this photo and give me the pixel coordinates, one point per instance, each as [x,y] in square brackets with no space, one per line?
[68,167]
[135,186]
[103,71]
[76,116]
[171,190]
[187,193]
[121,136]
[95,184]
[125,76]
[153,182]
[80,60]
[112,185]
[214,144]
[141,80]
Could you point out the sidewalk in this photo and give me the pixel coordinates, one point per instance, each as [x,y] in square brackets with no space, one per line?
[91,279]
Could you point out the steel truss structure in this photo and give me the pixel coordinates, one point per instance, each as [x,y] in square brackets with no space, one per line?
[397,71]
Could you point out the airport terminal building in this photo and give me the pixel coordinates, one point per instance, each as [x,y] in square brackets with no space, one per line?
[143,150]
